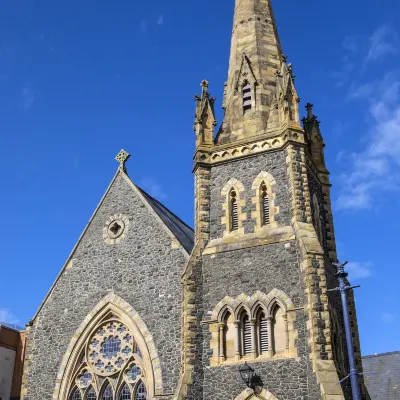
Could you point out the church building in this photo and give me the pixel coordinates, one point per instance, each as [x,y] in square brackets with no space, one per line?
[147,308]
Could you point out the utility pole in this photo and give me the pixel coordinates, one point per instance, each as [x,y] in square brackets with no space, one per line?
[343,288]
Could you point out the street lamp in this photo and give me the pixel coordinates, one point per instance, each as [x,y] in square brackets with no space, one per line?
[247,374]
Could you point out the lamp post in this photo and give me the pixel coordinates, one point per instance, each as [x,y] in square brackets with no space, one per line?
[343,288]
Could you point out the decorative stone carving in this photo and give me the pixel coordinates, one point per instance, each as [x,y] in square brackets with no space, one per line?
[115,228]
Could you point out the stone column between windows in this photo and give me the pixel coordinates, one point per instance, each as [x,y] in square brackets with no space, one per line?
[270,347]
[221,355]
[253,338]
[237,341]
[286,331]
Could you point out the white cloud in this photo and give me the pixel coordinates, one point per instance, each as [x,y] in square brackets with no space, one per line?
[384,41]
[358,270]
[151,186]
[160,20]
[27,98]
[376,169]
[7,316]
[388,317]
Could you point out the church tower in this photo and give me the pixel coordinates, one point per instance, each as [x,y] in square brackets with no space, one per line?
[147,308]
[255,288]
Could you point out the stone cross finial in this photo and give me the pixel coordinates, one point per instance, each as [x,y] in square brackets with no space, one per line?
[122,157]
[309,108]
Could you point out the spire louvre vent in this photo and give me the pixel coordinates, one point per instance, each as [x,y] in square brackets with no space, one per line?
[246,91]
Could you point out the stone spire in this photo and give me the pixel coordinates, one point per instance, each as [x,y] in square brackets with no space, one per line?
[259,97]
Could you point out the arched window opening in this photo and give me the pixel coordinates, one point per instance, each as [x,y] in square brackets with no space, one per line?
[263,333]
[108,393]
[278,330]
[234,221]
[265,208]
[76,394]
[317,219]
[91,394]
[246,335]
[141,393]
[246,93]
[228,336]
[125,393]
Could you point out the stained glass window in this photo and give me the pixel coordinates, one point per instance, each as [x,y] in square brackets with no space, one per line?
[76,394]
[91,394]
[110,347]
[107,394]
[134,372]
[141,393]
[85,379]
[125,393]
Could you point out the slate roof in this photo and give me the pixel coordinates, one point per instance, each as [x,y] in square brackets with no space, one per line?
[384,384]
[183,232]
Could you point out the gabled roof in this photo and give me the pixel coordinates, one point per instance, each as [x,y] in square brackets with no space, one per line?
[183,233]
[172,224]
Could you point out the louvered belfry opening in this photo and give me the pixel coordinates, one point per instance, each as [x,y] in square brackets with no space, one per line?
[234,222]
[263,333]
[246,329]
[246,91]
[265,205]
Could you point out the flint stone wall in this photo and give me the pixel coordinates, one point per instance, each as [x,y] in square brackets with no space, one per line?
[143,269]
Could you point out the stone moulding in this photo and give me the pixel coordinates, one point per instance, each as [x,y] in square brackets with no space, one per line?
[249,394]
[251,302]
[257,147]
[109,303]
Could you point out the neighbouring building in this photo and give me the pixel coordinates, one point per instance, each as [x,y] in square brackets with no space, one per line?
[147,308]
[382,375]
[12,345]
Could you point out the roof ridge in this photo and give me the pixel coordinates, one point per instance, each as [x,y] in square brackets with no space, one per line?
[381,354]
[162,205]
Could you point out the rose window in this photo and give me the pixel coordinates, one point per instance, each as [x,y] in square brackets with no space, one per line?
[110,348]
[111,365]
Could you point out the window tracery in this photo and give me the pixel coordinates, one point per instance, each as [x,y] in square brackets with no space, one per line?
[252,327]
[110,353]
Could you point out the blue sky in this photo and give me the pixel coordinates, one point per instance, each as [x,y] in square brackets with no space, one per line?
[80,80]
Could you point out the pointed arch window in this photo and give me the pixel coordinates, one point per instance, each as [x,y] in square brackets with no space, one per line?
[108,393]
[265,205]
[246,335]
[141,393]
[76,394]
[253,331]
[91,394]
[263,333]
[234,217]
[125,393]
[246,94]
[110,354]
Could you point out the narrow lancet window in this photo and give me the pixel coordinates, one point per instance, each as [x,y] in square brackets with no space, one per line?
[76,394]
[141,393]
[234,222]
[107,394]
[246,331]
[263,333]
[265,209]
[125,393]
[246,97]
[91,394]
